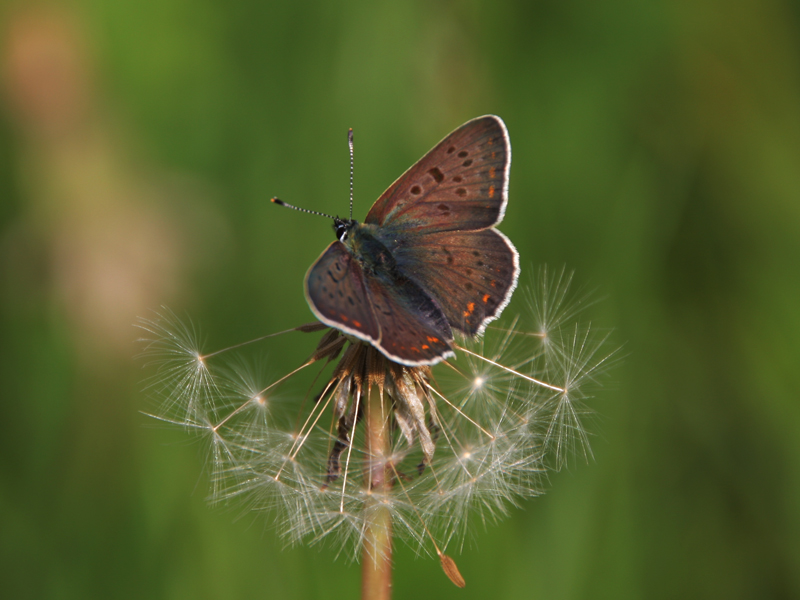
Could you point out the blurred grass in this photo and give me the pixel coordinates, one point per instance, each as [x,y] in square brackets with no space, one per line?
[655,152]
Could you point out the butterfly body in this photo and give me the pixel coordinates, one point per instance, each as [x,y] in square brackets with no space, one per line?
[426,261]
[365,243]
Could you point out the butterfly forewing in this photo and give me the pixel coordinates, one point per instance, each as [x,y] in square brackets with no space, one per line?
[462,184]
[472,274]
[336,293]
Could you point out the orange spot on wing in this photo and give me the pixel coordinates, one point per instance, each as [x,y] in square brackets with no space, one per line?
[492,172]
[493,283]
[425,346]
[491,191]
[486,298]
[470,309]
[415,349]
[343,317]
[433,340]
[357,324]
[493,154]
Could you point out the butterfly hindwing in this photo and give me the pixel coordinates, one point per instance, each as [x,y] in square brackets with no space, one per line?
[336,293]
[414,329]
[461,184]
[472,274]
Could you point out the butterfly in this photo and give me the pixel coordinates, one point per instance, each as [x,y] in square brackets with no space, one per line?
[427,260]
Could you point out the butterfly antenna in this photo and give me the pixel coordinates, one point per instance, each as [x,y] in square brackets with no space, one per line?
[280,202]
[350,143]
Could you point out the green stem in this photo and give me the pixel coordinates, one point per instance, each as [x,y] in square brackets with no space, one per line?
[376,562]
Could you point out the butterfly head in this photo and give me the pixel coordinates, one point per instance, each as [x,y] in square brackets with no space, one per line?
[342,227]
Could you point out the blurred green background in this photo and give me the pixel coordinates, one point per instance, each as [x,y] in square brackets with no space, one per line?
[656,152]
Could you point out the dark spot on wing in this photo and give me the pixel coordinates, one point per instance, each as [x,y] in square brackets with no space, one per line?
[416,190]
[468,286]
[437,174]
[461,192]
[463,153]
[451,149]
[443,207]
[467,162]
[458,179]
[449,256]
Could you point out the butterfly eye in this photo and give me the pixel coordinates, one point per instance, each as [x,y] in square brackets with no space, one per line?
[340,228]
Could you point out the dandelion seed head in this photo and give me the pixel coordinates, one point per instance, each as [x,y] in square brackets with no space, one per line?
[472,438]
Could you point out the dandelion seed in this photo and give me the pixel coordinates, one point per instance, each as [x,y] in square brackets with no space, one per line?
[408,453]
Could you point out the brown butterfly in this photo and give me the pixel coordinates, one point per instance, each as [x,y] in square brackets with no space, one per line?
[427,259]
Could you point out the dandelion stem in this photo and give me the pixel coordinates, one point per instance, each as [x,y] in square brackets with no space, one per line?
[376,567]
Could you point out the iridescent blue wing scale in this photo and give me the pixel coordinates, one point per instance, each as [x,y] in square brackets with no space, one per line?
[461,184]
